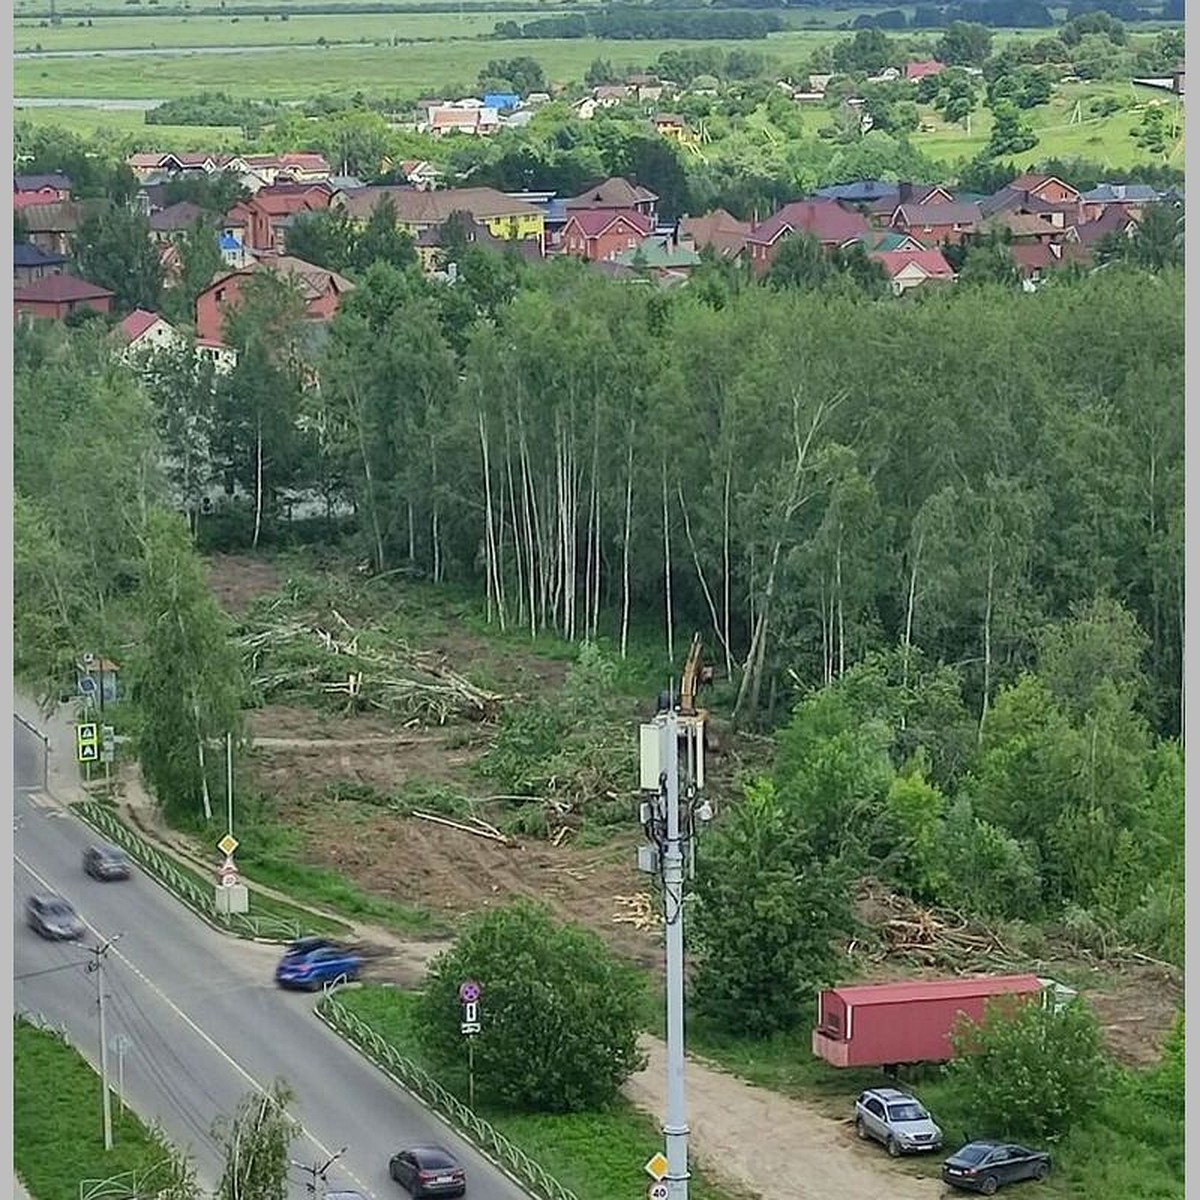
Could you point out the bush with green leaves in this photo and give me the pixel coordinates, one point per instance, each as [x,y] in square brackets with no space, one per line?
[560,1012]
[767,918]
[1029,1071]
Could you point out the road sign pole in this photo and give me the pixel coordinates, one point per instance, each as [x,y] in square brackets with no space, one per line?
[229,781]
[471,1073]
[675,1128]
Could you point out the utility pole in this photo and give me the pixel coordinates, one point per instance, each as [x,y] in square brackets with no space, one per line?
[675,1127]
[97,967]
[670,814]
[229,781]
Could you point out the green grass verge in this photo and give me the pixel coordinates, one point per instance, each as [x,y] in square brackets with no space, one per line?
[598,1155]
[1128,1149]
[58,1136]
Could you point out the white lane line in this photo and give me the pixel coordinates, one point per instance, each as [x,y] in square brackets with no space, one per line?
[214,1046]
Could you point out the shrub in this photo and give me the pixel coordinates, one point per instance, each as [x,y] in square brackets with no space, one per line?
[560,1013]
[1029,1071]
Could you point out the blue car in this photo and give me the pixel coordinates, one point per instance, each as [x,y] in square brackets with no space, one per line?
[312,962]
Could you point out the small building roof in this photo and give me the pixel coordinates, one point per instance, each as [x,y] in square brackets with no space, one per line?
[138,321]
[937,989]
[59,289]
[177,217]
[26,254]
[35,183]
[592,222]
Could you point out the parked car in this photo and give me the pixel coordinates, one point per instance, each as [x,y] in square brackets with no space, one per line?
[107,862]
[311,962]
[985,1166]
[428,1171]
[896,1119]
[52,917]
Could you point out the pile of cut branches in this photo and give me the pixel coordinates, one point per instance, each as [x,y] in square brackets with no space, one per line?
[931,937]
[326,663]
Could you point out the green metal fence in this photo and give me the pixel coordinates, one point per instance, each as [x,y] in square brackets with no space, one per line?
[490,1140]
[182,885]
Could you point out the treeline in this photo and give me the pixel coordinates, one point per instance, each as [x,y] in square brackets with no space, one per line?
[626,22]
[215,108]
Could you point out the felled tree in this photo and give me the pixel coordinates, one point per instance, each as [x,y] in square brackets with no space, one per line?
[559,1014]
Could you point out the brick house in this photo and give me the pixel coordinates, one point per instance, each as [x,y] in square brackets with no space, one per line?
[262,219]
[31,264]
[602,234]
[826,220]
[935,224]
[1130,198]
[616,194]
[322,291]
[40,189]
[724,234]
[56,297]
[1041,195]
[1035,260]
[882,209]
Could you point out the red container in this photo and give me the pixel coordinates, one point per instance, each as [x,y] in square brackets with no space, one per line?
[891,1023]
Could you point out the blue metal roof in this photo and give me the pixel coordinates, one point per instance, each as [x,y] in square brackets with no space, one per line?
[501,100]
[229,242]
[26,254]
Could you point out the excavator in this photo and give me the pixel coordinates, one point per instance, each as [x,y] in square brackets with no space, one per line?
[695,676]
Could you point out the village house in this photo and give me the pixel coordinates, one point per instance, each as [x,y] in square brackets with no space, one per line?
[597,234]
[264,217]
[914,72]
[505,217]
[56,297]
[169,223]
[419,174]
[718,231]
[1041,195]
[935,224]
[40,189]
[31,264]
[615,194]
[826,220]
[148,165]
[910,268]
[1035,260]
[673,127]
[322,291]
[143,332]
[882,208]
[51,227]
[430,243]
[478,121]
[1130,198]
[661,258]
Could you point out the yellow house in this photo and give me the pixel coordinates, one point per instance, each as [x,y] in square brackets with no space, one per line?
[416,211]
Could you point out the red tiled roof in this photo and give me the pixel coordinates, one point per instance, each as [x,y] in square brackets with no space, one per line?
[592,222]
[307,159]
[937,989]
[282,204]
[919,70]
[58,289]
[826,220]
[1112,220]
[137,323]
[1034,256]
[932,262]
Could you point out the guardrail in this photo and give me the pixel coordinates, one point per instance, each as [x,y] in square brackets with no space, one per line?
[181,885]
[39,1020]
[470,1124]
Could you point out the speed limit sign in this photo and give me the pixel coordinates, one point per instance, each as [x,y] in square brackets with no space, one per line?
[657,1191]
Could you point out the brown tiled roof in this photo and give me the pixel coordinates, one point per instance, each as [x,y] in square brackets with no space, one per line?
[724,233]
[938,214]
[58,289]
[60,218]
[183,215]
[414,207]
[826,220]
[615,192]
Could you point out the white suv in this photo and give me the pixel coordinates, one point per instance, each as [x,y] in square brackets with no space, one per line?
[896,1119]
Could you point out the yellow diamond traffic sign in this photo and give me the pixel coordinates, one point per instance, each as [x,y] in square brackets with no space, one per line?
[656,1168]
[228,844]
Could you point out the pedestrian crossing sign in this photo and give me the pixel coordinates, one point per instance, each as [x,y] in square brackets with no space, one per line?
[87,742]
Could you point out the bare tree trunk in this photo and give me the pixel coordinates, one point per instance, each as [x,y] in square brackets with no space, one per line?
[369,477]
[412,533]
[493,591]
[725,640]
[518,555]
[205,798]
[666,511]
[258,482]
[435,521]
[708,598]
[987,643]
[908,623]
[625,544]
[841,609]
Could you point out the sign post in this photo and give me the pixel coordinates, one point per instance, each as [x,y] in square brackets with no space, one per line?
[87,746]
[232,895]
[468,994]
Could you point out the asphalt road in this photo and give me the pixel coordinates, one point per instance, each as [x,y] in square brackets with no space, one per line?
[203,1020]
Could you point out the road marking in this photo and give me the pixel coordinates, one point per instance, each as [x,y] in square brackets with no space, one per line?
[214,1046]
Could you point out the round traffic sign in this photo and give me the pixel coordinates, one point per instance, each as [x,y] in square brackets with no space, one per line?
[657,1191]
[469,992]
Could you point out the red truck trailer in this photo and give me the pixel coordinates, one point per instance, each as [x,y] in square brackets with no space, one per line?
[885,1024]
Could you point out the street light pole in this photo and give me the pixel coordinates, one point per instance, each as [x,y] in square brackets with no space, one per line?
[675,1127]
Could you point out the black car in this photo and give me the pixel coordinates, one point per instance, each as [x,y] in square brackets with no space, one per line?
[428,1171]
[107,862]
[985,1166]
[52,917]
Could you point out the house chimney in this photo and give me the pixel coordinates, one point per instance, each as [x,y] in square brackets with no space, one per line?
[906,192]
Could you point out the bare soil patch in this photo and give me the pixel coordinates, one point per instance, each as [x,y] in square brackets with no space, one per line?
[238,580]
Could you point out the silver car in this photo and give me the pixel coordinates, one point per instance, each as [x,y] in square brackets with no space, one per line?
[896,1119]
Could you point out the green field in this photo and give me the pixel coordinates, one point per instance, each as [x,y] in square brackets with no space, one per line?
[344,70]
[132,33]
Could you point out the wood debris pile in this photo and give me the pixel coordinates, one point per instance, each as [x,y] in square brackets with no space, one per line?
[301,659]
[932,937]
[637,910]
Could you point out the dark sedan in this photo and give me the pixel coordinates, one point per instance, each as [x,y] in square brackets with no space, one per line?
[428,1171]
[53,918]
[985,1166]
[106,862]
